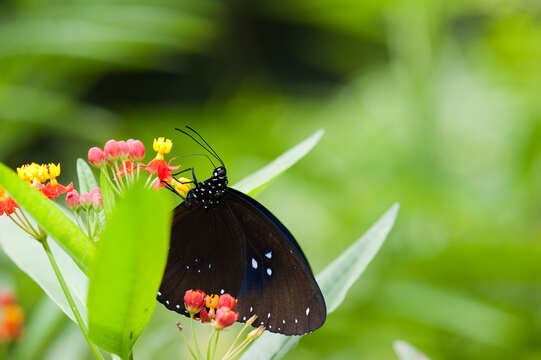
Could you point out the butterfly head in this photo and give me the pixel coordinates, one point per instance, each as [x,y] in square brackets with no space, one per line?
[219,171]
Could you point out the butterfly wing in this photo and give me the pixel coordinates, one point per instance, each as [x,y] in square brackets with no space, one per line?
[205,252]
[277,284]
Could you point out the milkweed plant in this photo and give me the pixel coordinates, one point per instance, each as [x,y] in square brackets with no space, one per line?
[115,228]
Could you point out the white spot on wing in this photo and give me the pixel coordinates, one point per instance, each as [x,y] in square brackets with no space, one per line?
[167,302]
[307,311]
[268,255]
[187,267]
[268,315]
[296,321]
[159,293]
[251,309]
[178,306]
[222,291]
[269,271]
[283,321]
[254,263]
[244,318]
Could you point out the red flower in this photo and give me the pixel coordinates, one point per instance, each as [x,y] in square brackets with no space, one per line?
[160,167]
[8,206]
[130,169]
[124,149]
[54,191]
[204,316]
[6,297]
[96,156]
[194,301]
[227,300]
[225,317]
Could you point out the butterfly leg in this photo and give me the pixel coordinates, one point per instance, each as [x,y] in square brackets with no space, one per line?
[171,188]
[193,174]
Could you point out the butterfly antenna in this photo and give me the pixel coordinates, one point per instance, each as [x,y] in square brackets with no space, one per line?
[198,154]
[210,147]
[203,146]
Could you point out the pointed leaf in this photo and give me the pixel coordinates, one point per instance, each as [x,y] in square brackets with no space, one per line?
[108,195]
[335,281]
[126,275]
[50,217]
[256,181]
[87,181]
[406,351]
[30,257]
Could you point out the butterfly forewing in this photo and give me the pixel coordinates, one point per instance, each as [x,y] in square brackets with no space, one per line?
[205,253]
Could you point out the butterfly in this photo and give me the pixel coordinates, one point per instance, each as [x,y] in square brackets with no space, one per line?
[224,241]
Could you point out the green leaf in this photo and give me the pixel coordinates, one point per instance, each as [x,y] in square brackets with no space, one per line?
[406,351]
[108,195]
[87,181]
[126,275]
[50,217]
[29,256]
[256,181]
[335,281]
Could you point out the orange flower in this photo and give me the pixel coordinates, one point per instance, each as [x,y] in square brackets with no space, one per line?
[158,165]
[7,204]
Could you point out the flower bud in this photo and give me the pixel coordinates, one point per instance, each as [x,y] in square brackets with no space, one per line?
[225,317]
[95,196]
[72,199]
[96,156]
[137,149]
[227,300]
[112,150]
[251,320]
[254,334]
[85,200]
[124,149]
[194,301]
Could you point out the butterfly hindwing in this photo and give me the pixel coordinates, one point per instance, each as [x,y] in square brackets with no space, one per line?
[278,284]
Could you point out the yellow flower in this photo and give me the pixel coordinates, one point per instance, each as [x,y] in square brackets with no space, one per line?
[181,185]
[162,146]
[212,301]
[54,172]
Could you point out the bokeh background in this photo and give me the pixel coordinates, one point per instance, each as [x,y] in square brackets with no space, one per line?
[434,104]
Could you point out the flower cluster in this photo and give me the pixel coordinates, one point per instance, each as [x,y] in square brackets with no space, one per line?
[85,200]
[220,308]
[219,311]
[11,318]
[43,177]
[121,163]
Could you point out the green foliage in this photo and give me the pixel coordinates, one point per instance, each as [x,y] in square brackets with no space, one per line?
[125,278]
[87,181]
[50,217]
[335,281]
[255,182]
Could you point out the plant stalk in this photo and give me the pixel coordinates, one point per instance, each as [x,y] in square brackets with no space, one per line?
[69,297]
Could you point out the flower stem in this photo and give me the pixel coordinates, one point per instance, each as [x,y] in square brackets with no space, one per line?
[235,342]
[215,344]
[188,346]
[22,226]
[27,221]
[196,344]
[209,347]
[70,299]
[238,350]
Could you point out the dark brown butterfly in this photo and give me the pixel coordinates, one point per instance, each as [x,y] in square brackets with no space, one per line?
[226,242]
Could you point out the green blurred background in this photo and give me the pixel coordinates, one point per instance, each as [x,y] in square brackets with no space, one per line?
[434,104]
